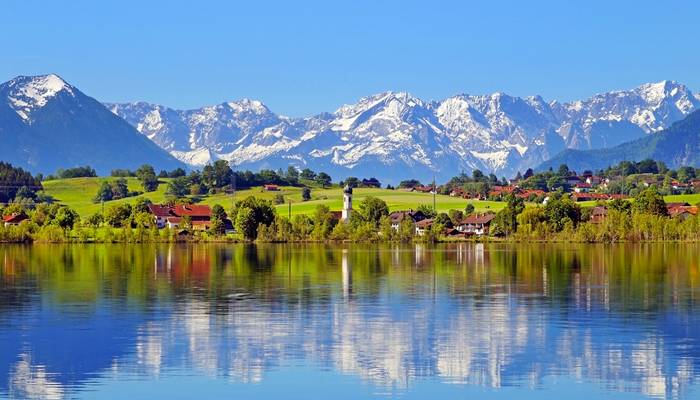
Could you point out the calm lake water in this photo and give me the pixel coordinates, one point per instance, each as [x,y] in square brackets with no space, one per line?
[354,322]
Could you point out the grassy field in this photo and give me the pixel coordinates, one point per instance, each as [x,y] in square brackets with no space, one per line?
[78,193]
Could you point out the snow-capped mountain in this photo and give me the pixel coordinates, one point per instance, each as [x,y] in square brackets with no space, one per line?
[46,124]
[395,135]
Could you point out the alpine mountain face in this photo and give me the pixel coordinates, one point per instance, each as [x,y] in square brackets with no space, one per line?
[48,124]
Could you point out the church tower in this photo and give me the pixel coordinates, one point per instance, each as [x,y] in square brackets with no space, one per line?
[347,203]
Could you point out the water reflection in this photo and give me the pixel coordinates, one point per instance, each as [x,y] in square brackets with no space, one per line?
[624,318]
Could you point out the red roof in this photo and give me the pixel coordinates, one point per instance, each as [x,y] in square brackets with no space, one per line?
[675,211]
[424,223]
[159,210]
[14,218]
[583,185]
[180,210]
[192,210]
[479,218]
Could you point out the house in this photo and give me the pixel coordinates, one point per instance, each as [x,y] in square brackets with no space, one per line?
[582,187]
[457,192]
[497,190]
[271,188]
[397,217]
[14,219]
[678,208]
[476,224]
[171,216]
[594,180]
[679,187]
[599,214]
[683,212]
[423,225]
[573,180]
[590,196]
[423,189]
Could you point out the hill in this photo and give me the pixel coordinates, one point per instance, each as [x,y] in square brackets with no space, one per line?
[46,124]
[677,146]
[78,193]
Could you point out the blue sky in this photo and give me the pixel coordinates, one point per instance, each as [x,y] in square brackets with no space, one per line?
[307,57]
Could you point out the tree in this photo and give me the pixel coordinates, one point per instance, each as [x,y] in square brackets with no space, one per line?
[323,222]
[278,199]
[245,223]
[141,205]
[427,210]
[120,189]
[506,221]
[306,194]
[307,174]
[352,181]
[649,201]
[178,187]
[147,175]
[373,209]
[118,214]
[292,175]
[444,220]
[528,173]
[561,210]
[66,217]
[456,216]
[263,212]
[104,193]
[218,218]
[469,209]
[410,183]
[223,173]
[323,179]
[94,220]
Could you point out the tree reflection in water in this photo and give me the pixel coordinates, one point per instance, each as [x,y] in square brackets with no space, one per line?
[624,317]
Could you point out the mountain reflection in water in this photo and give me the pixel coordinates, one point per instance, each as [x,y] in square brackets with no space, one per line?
[622,318]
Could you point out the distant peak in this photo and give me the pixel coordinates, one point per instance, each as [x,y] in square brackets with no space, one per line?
[28,93]
[246,104]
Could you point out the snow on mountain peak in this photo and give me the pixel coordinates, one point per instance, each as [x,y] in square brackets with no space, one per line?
[493,132]
[28,93]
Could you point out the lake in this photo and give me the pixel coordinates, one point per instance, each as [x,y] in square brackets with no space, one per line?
[350,322]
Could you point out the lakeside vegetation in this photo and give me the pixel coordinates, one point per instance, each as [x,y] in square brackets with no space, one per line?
[298,206]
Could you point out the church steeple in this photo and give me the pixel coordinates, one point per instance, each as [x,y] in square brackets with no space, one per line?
[347,203]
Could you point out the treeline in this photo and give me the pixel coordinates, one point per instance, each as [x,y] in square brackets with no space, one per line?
[561,219]
[17,183]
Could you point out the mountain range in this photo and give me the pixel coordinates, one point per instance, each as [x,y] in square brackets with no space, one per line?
[677,146]
[393,135]
[47,124]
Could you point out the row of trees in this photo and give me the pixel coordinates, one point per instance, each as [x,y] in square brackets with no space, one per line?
[562,219]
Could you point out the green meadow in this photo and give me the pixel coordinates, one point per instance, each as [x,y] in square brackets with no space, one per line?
[79,192]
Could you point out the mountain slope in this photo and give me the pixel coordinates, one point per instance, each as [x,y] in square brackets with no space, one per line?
[677,146]
[396,135]
[46,124]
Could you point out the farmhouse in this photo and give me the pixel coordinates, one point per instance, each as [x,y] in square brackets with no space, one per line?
[397,217]
[171,216]
[476,224]
[14,219]
[423,225]
[271,188]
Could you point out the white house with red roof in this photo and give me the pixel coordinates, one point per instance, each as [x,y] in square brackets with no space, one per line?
[171,216]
